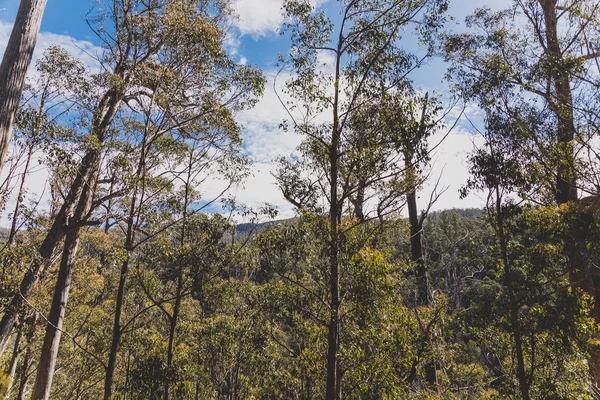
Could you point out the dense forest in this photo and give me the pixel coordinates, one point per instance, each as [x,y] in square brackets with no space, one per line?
[145,278]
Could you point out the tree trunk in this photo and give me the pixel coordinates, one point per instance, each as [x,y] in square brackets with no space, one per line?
[416,249]
[333,388]
[116,338]
[45,372]
[14,359]
[418,259]
[56,233]
[129,246]
[25,364]
[13,68]
[172,328]
[512,300]
[13,227]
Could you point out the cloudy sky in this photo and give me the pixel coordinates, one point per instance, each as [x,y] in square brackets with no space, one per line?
[255,40]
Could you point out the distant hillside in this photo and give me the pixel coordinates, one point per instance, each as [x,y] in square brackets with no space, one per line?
[247,228]
[463,212]
[242,230]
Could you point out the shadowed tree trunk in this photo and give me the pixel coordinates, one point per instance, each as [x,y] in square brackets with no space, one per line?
[13,68]
[581,275]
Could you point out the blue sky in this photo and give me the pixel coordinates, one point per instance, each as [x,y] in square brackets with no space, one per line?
[255,40]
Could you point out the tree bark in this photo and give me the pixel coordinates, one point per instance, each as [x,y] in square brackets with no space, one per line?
[14,359]
[25,364]
[416,248]
[129,247]
[116,338]
[333,388]
[45,372]
[418,259]
[43,381]
[13,68]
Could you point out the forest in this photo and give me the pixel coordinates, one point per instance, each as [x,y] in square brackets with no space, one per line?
[144,277]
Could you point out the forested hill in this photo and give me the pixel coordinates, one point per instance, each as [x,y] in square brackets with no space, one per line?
[242,230]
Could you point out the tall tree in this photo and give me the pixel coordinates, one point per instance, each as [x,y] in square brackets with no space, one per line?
[154,59]
[339,163]
[540,70]
[15,62]
[59,74]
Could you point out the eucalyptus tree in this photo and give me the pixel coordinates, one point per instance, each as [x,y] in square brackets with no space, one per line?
[37,127]
[169,175]
[339,165]
[13,69]
[142,41]
[536,64]
[62,81]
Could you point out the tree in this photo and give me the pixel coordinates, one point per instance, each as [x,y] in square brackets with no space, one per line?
[59,75]
[147,41]
[339,164]
[539,71]
[13,68]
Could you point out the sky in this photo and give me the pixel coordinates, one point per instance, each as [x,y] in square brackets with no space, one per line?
[255,40]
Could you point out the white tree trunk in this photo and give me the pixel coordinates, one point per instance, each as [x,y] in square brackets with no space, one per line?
[15,62]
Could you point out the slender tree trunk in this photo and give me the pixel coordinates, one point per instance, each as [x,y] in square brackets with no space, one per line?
[45,372]
[175,317]
[26,362]
[333,388]
[173,326]
[129,246]
[14,359]
[174,320]
[512,300]
[416,249]
[13,68]
[116,337]
[418,259]
[15,218]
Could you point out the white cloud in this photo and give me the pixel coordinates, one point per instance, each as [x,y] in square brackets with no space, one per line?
[37,190]
[261,17]
[258,17]
[37,178]
[264,141]
[326,58]
[80,49]
[449,165]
